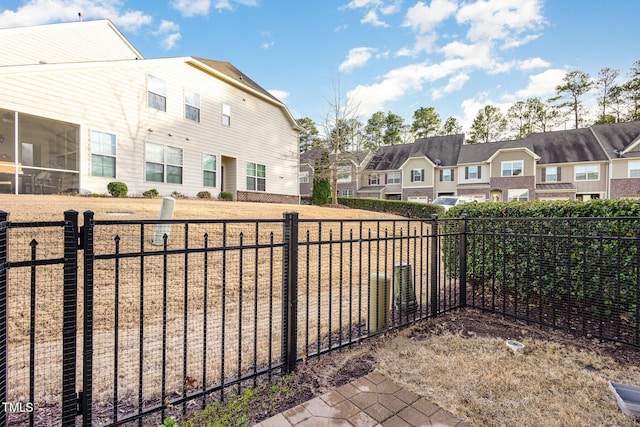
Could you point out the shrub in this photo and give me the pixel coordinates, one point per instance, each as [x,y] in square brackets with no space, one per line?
[204,195]
[225,195]
[321,192]
[117,189]
[397,207]
[150,194]
[177,195]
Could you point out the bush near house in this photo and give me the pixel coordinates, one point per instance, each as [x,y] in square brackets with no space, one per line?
[225,195]
[150,194]
[397,207]
[204,195]
[542,250]
[117,189]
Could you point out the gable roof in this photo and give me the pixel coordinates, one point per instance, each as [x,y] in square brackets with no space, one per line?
[567,146]
[70,42]
[311,156]
[440,150]
[482,152]
[623,138]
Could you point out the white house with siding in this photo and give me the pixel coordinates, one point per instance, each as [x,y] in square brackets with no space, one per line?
[80,107]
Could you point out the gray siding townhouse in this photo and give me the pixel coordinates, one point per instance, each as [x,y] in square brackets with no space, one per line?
[349,178]
[81,107]
[621,143]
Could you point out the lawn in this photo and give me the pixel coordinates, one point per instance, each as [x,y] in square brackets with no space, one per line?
[459,361]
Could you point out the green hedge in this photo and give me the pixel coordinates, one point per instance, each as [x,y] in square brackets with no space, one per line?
[582,252]
[397,207]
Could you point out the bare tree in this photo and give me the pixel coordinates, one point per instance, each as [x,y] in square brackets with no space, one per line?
[339,134]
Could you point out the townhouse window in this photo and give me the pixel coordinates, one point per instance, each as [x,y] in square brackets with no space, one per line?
[209,170]
[163,163]
[103,154]
[587,173]
[191,105]
[513,168]
[304,177]
[226,115]
[417,175]
[394,178]
[374,180]
[256,177]
[634,169]
[347,193]
[472,172]
[446,175]
[551,174]
[344,174]
[518,195]
[157,93]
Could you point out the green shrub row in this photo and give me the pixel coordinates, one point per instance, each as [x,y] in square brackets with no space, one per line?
[582,253]
[396,207]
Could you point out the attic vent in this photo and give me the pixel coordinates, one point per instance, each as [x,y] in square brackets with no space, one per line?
[438,162]
[241,77]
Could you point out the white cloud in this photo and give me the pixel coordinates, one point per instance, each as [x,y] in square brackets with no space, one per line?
[357,58]
[533,63]
[500,19]
[282,95]
[541,85]
[170,33]
[38,12]
[267,45]
[455,83]
[357,4]
[371,17]
[424,19]
[192,7]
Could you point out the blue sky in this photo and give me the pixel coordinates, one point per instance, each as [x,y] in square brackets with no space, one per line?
[385,55]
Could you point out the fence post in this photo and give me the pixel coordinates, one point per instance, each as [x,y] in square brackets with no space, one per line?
[87,344]
[4,253]
[463,261]
[435,265]
[290,291]
[69,318]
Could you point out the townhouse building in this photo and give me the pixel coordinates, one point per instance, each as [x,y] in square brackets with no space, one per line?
[601,161]
[81,107]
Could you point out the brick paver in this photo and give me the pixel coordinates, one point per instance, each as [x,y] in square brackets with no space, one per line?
[370,401]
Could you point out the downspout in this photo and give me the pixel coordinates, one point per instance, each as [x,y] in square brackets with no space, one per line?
[15,152]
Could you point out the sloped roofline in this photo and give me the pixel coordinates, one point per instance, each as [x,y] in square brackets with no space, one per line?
[526,149]
[210,67]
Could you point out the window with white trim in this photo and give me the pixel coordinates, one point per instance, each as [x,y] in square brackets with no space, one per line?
[304,177]
[446,175]
[156,93]
[163,163]
[374,180]
[512,168]
[256,177]
[551,174]
[634,169]
[226,115]
[472,172]
[103,154]
[209,170]
[344,173]
[417,175]
[394,178]
[347,192]
[518,195]
[587,173]
[191,105]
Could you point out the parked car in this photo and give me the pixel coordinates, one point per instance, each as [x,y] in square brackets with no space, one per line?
[447,202]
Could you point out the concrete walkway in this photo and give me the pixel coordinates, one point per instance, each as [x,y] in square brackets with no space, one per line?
[373,400]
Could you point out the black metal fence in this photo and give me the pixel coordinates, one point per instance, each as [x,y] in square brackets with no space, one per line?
[128,322]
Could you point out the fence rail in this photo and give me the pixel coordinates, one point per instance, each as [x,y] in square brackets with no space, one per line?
[128,322]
